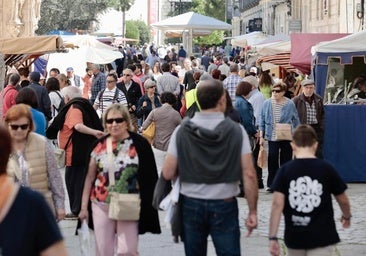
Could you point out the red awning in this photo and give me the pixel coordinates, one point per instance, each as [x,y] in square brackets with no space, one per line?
[301,44]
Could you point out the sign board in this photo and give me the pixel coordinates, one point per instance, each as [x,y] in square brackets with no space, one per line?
[295,25]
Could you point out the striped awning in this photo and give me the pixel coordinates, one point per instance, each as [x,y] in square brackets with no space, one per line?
[281,60]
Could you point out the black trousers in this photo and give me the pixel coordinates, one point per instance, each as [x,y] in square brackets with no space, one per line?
[74,179]
[257,168]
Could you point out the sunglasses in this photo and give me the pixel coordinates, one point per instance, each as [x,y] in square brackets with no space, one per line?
[15,127]
[152,87]
[276,91]
[110,81]
[117,120]
[126,75]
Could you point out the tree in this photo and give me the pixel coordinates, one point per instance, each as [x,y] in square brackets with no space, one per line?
[132,30]
[145,35]
[69,14]
[124,6]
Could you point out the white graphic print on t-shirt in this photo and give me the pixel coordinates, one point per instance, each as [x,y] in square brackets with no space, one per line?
[304,196]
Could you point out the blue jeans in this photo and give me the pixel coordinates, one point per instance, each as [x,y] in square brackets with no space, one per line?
[218,218]
[279,152]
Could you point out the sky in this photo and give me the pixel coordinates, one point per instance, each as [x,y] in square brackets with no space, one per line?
[111,21]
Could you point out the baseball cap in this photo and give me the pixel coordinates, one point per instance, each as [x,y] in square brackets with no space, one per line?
[69,69]
[253,70]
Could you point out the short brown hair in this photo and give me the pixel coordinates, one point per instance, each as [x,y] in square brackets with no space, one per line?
[304,136]
[18,111]
[243,88]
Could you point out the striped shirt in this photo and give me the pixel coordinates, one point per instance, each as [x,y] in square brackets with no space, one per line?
[276,110]
[107,97]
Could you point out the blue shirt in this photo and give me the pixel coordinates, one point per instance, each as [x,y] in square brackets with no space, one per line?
[39,121]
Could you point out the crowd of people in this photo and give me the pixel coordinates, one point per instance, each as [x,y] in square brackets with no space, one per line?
[211,115]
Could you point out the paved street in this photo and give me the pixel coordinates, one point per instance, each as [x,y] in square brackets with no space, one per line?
[353,239]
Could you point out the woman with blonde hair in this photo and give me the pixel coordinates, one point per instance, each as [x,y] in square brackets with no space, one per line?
[32,162]
[122,162]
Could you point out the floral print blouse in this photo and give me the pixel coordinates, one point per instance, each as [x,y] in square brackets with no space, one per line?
[123,165]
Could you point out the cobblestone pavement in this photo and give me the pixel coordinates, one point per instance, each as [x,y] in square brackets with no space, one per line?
[353,239]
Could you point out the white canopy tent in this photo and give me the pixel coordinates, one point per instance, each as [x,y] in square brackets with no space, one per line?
[190,23]
[273,48]
[248,39]
[351,43]
[85,49]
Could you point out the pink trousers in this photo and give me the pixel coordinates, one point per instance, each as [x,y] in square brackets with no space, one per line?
[112,235]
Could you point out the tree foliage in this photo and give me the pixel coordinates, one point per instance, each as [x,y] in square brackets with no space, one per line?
[69,14]
[121,5]
[145,35]
[211,8]
[75,14]
[132,30]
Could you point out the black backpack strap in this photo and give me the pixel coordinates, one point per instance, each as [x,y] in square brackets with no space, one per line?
[59,95]
[115,97]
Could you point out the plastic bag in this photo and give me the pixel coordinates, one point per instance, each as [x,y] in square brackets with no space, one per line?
[84,238]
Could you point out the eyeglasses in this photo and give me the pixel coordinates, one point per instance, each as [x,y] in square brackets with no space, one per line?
[110,81]
[126,75]
[276,91]
[15,127]
[117,120]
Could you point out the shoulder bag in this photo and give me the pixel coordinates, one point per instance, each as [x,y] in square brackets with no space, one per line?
[149,132]
[282,130]
[121,206]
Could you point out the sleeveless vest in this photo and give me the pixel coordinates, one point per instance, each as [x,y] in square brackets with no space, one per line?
[35,156]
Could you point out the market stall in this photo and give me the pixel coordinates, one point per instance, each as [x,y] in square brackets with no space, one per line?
[336,64]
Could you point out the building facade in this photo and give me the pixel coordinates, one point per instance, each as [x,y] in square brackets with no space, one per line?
[19,17]
[308,16]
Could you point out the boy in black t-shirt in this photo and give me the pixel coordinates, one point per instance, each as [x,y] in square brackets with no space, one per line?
[302,191]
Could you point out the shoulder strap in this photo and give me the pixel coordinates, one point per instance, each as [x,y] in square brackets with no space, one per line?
[59,95]
[101,94]
[115,97]
[110,161]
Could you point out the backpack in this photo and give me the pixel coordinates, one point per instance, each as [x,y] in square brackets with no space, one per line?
[62,103]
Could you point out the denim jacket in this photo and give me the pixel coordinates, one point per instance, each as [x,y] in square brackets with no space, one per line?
[288,116]
[245,110]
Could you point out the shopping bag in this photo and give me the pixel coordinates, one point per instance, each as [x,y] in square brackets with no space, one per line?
[262,158]
[84,238]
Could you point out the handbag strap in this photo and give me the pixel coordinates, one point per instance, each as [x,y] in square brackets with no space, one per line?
[110,159]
